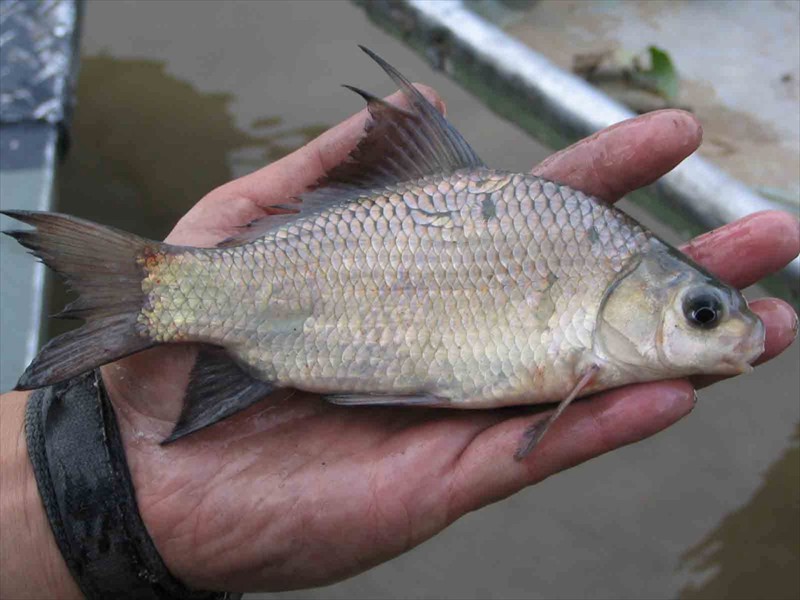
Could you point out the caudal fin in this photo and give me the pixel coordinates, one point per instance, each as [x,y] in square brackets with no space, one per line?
[101,264]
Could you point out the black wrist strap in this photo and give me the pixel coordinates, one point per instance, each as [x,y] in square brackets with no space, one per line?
[79,462]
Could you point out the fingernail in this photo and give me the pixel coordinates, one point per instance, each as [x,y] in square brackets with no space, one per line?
[781,321]
[784,314]
[673,400]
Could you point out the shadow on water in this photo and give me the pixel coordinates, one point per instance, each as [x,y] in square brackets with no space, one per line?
[146,146]
[753,553]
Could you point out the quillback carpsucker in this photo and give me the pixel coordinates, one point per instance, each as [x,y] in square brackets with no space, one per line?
[411,274]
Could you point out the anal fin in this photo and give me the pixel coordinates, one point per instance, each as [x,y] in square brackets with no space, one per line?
[218,388]
[535,432]
[387,400]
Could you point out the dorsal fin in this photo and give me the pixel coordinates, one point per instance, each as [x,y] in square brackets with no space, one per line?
[398,145]
[401,145]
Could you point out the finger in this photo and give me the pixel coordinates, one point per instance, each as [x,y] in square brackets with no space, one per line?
[289,176]
[749,249]
[487,472]
[625,156]
[780,322]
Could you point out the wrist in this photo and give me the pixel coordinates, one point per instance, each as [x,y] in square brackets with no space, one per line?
[145,415]
[31,565]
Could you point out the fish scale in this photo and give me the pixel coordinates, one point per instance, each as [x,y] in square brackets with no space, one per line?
[493,313]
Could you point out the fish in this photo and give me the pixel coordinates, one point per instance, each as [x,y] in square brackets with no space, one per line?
[411,274]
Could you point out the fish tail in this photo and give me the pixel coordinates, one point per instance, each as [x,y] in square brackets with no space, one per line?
[105,267]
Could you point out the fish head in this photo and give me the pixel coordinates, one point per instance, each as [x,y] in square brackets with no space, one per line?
[666,316]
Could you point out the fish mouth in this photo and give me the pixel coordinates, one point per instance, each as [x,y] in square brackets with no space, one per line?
[738,367]
[747,351]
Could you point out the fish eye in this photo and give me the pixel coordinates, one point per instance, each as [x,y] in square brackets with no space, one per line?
[703,308]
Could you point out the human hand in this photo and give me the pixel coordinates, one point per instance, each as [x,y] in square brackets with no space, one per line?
[304,493]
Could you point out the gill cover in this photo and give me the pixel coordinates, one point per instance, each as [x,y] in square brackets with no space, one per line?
[631,313]
[666,315]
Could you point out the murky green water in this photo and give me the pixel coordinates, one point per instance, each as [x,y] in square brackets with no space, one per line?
[148,145]
[176,98]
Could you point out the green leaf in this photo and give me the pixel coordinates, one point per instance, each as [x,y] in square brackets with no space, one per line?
[662,76]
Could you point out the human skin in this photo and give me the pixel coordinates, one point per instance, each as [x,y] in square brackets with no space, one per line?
[304,493]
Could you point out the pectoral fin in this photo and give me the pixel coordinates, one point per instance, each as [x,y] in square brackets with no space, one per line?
[536,432]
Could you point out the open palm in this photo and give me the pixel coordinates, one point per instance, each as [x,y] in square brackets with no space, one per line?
[302,493]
